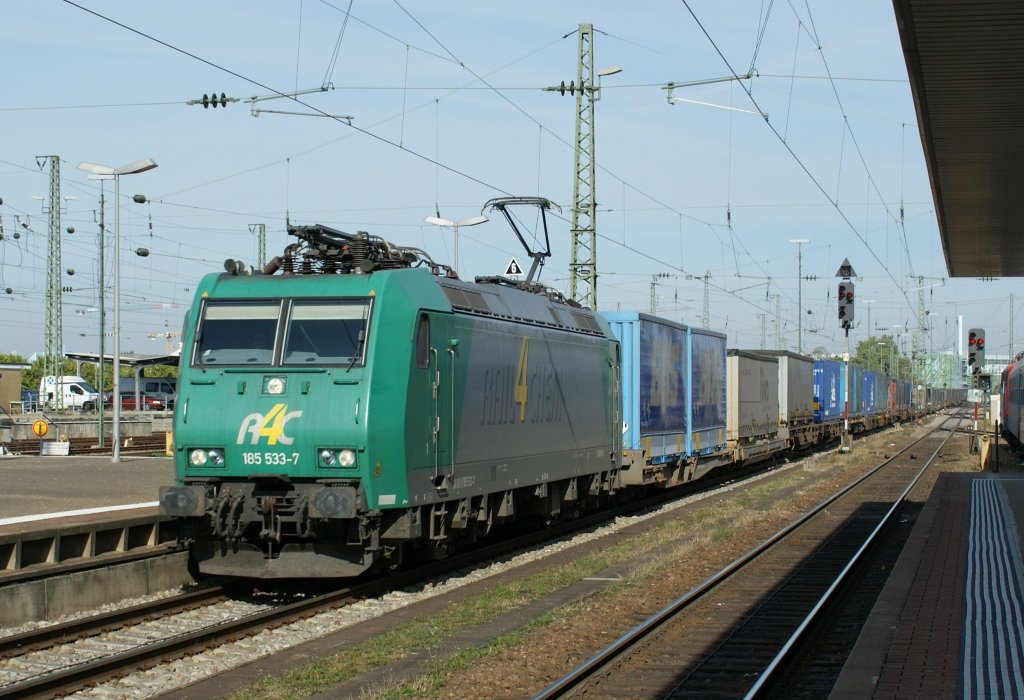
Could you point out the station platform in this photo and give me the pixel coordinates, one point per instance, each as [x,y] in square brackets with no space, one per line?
[950,620]
[93,521]
[34,485]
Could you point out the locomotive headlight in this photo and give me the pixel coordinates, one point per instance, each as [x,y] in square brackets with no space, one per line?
[343,458]
[216,457]
[198,458]
[275,386]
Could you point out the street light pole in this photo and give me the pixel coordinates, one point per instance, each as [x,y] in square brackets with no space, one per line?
[103,319]
[140,166]
[869,302]
[454,225]
[799,288]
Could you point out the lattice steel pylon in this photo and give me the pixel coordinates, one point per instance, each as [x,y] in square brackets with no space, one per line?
[918,359]
[261,244]
[53,351]
[583,265]
[705,317]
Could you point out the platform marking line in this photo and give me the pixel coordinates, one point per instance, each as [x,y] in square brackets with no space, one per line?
[993,643]
[82,511]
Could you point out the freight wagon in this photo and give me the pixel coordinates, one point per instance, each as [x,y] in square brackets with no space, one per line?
[796,398]
[673,399]
[753,405]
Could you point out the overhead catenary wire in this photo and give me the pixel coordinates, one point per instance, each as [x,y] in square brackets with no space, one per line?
[853,136]
[625,186]
[789,149]
[366,132]
[333,62]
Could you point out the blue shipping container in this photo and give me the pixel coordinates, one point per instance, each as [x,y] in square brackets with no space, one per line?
[868,389]
[673,385]
[853,397]
[828,394]
[663,377]
[708,388]
[655,372]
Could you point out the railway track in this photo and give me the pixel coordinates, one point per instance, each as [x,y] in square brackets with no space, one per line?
[737,633]
[61,659]
[45,662]
[143,444]
[64,658]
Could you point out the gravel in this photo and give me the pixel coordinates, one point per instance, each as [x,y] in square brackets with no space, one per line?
[552,651]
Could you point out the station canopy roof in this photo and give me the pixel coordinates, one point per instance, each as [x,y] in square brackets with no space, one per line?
[133,361]
[965,59]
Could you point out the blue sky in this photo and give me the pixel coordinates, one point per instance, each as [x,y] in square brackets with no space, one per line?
[449,112]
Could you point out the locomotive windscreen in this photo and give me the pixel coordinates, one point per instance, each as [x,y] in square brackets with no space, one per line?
[326,333]
[319,332]
[237,333]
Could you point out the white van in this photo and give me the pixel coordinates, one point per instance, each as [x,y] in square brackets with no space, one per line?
[73,392]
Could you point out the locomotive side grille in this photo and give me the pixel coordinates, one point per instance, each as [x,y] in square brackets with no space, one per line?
[466,299]
[585,322]
[476,300]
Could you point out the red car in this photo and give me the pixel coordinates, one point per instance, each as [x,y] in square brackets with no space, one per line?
[149,403]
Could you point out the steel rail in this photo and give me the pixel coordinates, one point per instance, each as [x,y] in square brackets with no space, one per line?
[567,683]
[46,637]
[768,674]
[147,655]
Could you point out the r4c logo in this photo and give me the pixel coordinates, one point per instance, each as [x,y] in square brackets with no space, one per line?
[270,426]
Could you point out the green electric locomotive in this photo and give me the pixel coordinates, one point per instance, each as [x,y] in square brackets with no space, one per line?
[355,403]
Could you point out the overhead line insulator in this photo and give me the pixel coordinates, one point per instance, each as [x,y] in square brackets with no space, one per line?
[213,100]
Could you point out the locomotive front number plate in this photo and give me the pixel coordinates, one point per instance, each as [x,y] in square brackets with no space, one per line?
[271,458]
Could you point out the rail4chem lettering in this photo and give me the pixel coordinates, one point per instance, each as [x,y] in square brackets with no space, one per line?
[270,425]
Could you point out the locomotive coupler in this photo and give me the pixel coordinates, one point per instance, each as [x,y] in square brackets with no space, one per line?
[271,520]
[303,521]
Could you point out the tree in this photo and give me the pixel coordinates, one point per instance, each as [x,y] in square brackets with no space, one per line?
[882,355]
[30,378]
[162,371]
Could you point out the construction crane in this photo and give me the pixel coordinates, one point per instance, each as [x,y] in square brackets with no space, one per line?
[168,336]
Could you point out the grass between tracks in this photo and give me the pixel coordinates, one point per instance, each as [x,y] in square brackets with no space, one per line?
[643,556]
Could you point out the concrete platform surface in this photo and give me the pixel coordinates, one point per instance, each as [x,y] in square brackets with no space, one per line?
[34,485]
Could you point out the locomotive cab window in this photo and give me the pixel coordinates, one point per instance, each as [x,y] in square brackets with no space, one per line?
[236,333]
[423,341]
[326,332]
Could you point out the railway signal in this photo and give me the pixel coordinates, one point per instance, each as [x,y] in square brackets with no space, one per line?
[975,349]
[846,304]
